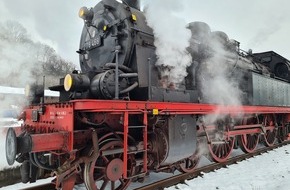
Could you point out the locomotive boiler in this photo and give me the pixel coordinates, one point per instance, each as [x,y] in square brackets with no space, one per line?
[118,119]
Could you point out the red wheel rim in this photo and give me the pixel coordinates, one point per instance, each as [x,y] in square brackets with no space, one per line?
[221,152]
[188,165]
[249,142]
[270,134]
[105,172]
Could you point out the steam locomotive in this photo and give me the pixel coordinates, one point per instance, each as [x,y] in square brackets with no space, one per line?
[119,119]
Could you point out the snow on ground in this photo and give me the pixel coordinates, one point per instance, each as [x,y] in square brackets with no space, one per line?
[24,186]
[270,171]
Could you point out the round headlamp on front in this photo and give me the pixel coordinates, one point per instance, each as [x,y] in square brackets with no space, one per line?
[68,81]
[86,14]
[76,82]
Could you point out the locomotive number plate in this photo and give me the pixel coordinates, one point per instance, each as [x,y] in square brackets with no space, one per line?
[93,43]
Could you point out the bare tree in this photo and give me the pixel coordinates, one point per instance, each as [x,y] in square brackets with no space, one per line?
[25,61]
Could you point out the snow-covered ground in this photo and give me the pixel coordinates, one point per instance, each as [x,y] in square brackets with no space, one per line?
[270,171]
[23,186]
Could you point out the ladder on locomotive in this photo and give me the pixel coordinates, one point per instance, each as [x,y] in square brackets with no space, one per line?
[126,146]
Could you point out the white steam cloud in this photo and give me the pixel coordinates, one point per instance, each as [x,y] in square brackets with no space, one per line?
[218,84]
[171,38]
[219,78]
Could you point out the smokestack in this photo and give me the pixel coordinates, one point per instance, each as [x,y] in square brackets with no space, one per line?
[133,3]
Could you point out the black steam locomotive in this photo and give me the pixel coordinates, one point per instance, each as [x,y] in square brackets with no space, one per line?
[120,118]
[117,60]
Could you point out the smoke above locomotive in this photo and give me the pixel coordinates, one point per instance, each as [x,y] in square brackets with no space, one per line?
[129,54]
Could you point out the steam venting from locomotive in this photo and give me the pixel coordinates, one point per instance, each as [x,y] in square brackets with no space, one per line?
[218,83]
[171,38]
[17,67]
[172,41]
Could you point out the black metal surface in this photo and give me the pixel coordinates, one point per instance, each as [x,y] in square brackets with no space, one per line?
[167,95]
[143,53]
[103,85]
[133,3]
[278,65]
[181,130]
[81,82]
[268,91]
[98,41]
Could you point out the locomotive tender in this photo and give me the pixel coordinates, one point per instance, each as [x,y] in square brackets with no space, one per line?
[119,119]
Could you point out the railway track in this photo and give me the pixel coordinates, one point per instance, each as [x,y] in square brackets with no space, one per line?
[180,178]
[159,185]
[10,176]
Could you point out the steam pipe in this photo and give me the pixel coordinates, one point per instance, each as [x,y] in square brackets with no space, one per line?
[40,165]
[117,75]
[121,67]
[132,87]
[128,75]
[149,78]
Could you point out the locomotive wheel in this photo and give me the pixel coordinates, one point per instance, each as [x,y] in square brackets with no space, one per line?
[221,152]
[281,133]
[270,134]
[188,165]
[107,171]
[249,142]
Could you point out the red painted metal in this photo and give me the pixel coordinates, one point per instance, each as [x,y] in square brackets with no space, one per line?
[114,169]
[221,152]
[173,108]
[145,139]
[247,126]
[242,132]
[188,165]
[125,155]
[249,142]
[48,141]
[54,129]
[60,117]
[99,168]
[69,183]
[270,132]
[56,118]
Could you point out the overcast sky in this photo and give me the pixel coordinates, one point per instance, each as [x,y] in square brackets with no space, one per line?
[260,25]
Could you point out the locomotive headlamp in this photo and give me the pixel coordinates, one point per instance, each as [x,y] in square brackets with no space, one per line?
[76,82]
[86,14]
[68,81]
